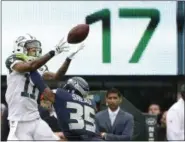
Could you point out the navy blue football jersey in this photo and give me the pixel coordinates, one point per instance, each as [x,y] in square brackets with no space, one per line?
[76,115]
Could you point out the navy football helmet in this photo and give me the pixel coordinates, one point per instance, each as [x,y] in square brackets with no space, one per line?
[77,85]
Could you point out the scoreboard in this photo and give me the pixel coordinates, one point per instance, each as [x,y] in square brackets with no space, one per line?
[125,38]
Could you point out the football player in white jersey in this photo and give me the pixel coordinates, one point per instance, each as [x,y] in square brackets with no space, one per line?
[21,94]
[47,75]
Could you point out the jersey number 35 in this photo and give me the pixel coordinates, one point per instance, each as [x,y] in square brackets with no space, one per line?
[80,110]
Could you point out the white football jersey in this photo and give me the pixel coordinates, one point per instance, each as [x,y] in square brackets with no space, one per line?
[43,69]
[21,94]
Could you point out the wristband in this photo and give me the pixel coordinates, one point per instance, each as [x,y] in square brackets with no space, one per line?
[68,59]
[52,53]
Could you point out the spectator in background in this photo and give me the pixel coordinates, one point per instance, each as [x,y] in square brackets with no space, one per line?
[161,128]
[175,118]
[114,124]
[154,109]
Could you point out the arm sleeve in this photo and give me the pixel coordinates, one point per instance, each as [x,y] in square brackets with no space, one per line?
[38,81]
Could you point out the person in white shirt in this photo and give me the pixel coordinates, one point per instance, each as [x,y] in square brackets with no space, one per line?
[175,118]
[114,124]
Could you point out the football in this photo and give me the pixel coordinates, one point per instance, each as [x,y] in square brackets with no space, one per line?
[78,34]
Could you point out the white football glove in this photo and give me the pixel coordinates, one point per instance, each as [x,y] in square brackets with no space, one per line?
[71,56]
[62,46]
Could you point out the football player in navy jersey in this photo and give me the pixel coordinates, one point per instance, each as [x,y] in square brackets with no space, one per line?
[74,111]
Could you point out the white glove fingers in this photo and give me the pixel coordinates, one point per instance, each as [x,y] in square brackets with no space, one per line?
[65,50]
[62,44]
[81,47]
[60,41]
[65,47]
[78,50]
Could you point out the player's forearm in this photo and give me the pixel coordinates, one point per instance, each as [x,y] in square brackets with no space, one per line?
[59,74]
[38,81]
[48,76]
[62,70]
[35,64]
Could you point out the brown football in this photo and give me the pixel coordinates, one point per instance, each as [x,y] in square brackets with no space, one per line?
[78,33]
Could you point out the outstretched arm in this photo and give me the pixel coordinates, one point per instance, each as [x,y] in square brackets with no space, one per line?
[63,69]
[60,73]
[32,65]
[37,63]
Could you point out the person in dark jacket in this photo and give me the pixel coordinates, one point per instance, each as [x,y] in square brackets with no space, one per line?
[114,124]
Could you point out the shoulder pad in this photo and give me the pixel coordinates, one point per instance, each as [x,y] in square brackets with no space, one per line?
[10,60]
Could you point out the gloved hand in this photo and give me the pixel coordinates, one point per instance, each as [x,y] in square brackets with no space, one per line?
[71,56]
[62,46]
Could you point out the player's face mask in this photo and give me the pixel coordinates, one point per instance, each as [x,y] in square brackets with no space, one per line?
[77,84]
[33,48]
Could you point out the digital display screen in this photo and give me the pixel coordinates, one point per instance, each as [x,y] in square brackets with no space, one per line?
[125,37]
